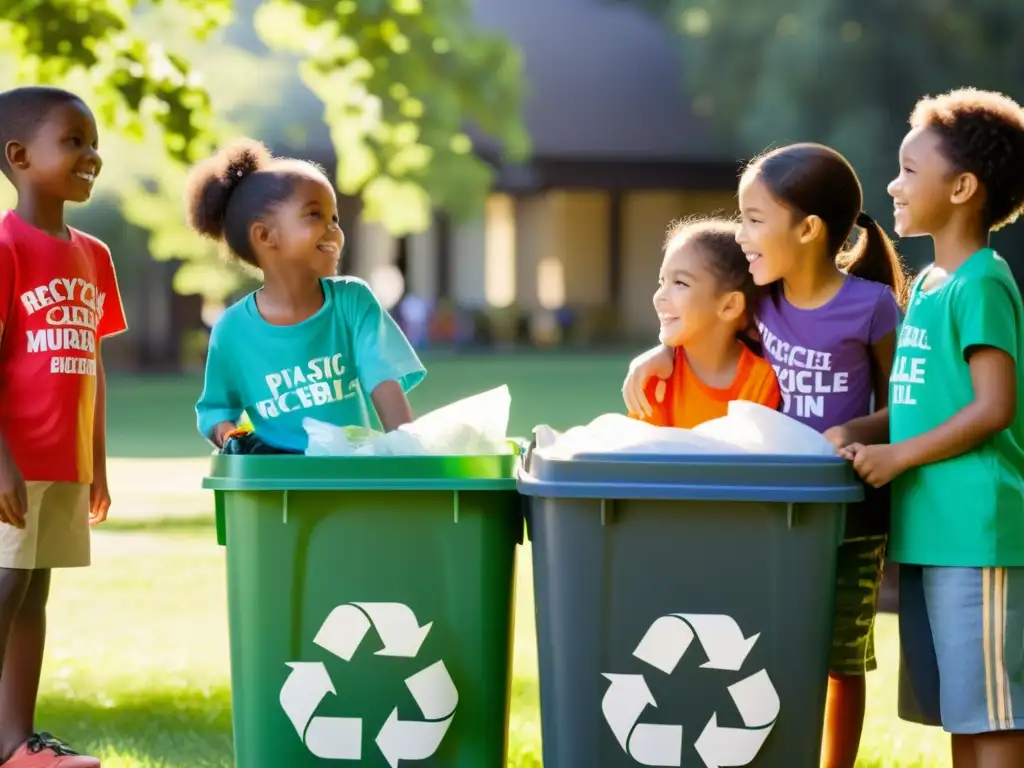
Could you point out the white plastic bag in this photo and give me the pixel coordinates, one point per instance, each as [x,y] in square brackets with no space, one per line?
[328,440]
[758,429]
[473,426]
[615,433]
[747,428]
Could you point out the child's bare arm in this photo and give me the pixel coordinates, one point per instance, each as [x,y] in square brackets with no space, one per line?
[873,428]
[994,379]
[13,495]
[99,493]
[392,405]
[220,432]
[220,404]
[659,362]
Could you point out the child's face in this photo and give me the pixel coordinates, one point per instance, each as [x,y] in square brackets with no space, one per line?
[305,227]
[689,301]
[922,192]
[768,234]
[61,160]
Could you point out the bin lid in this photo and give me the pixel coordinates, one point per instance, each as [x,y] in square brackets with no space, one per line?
[361,473]
[704,477]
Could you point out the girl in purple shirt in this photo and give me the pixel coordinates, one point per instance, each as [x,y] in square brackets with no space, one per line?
[828,326]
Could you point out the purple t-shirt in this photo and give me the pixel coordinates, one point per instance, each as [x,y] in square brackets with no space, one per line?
[822,356]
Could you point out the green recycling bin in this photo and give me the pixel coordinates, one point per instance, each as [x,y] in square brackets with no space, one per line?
[370,606]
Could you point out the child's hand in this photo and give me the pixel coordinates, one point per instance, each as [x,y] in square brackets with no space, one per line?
[99,499]
[877,465]
[839,437]
[13,494]
[658,362]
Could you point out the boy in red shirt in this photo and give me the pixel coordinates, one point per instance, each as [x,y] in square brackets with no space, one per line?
[58,299]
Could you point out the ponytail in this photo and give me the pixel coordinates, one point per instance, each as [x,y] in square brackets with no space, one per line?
[815,180]
[874,257]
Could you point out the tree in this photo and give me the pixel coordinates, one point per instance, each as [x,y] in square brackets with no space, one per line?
[842,72]
[401,83]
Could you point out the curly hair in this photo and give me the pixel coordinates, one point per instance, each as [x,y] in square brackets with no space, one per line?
[237,186]
[981,132]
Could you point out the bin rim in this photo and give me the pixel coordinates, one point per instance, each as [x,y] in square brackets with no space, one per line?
[361,473]
[787,478]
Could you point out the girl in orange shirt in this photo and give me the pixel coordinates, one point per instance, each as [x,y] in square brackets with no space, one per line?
[703,301]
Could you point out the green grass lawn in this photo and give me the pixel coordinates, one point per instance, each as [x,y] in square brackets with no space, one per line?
[137,664]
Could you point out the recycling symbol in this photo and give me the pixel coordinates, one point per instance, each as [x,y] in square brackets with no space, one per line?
[662,647]
[341,738]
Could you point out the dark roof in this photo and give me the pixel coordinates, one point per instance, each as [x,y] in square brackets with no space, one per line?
[604,80]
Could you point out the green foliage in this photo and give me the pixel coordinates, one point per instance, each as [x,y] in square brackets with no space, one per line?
[842,72]
[51,40]
[400,82]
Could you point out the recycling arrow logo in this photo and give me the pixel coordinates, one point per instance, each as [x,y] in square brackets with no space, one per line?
[341,738]
[662,647]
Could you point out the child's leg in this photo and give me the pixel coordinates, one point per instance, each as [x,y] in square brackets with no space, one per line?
[858,578]
[977,621]
[844,720]
[963,751]
[56,535]
[23,664]
[995,750]
[13,585]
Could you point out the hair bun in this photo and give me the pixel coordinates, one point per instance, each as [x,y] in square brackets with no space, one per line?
[245,158]
[212,182]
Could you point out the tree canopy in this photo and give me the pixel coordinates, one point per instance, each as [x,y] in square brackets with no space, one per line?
[842,72]
[402,84]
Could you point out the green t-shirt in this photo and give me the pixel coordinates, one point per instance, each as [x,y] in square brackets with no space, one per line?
[968,510]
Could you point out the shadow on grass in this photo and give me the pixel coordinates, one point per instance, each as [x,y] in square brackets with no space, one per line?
[199,525]
[166,728]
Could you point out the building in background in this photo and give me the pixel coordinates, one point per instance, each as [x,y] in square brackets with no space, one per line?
[574,237]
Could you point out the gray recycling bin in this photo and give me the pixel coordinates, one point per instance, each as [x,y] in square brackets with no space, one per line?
[684,606]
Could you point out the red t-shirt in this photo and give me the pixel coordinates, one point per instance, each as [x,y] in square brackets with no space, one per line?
[58,299]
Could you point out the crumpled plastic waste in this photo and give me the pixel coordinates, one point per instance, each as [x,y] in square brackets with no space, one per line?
[746,428]
[758,429]
[473,426]
[615,433]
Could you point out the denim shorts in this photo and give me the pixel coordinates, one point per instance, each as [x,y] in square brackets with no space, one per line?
[962,648]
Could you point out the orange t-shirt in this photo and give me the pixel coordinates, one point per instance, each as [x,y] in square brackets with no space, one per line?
[689,401]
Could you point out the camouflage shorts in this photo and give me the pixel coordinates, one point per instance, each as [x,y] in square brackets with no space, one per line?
[858,578]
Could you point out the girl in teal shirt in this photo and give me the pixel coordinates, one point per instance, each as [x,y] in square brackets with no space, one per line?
[308,344]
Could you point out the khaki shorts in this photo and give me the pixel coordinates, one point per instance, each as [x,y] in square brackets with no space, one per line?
[56,532]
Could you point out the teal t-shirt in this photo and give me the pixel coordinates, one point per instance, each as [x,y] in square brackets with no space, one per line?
[968,510]
[324,368]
